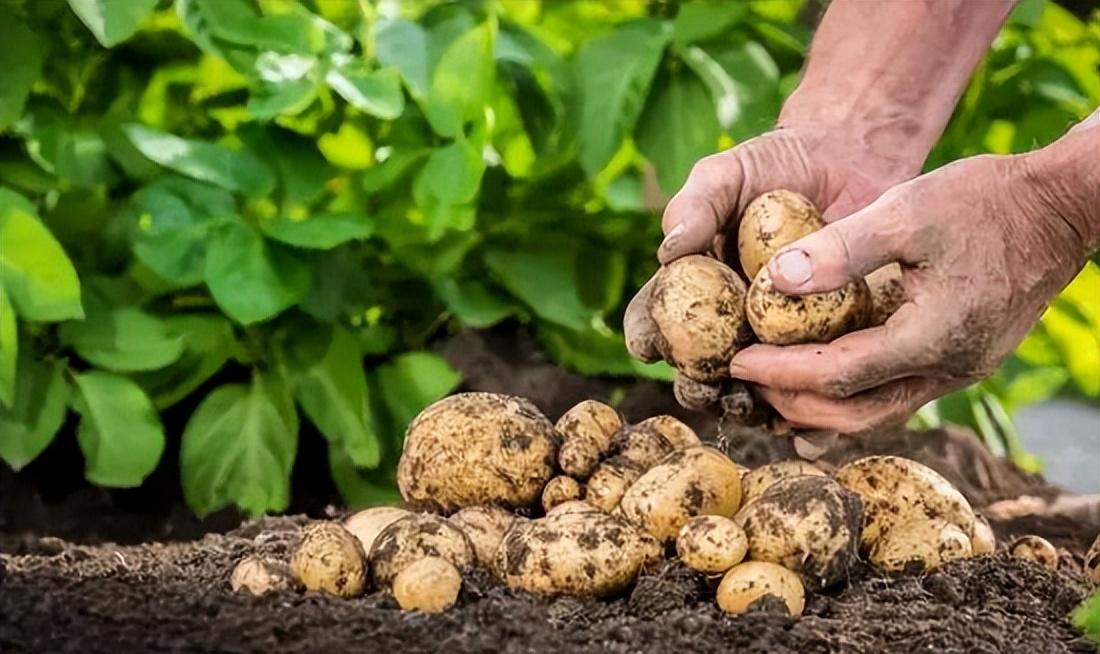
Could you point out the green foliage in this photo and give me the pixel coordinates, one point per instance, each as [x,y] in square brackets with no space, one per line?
[304,195]
[1086,617]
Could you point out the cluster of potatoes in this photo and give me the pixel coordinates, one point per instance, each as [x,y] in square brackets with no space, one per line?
[583,506]
[698,312]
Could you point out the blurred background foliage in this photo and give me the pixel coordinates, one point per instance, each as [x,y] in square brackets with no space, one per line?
[266,211]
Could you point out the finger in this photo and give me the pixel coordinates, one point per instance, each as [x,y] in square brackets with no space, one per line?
[888,404]
[852,363]
[699,210]
[814,444]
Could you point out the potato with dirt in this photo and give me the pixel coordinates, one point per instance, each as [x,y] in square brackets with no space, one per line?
[330,559]
[559,490]
[485,527]
[809,524]
[587,431]
[429,585]
[920,544]
[636,449]
[758,480]
[472,449]
[711,544]
[1035,548]
[368,523]
[761,586]
[415,537]
[984,541]
[771,221]
[259,576]
[887,292]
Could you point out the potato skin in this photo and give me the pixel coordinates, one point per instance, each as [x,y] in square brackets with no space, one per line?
[636,449]
[560,489]
[259,576]
[696,481]
[415,537]
[675,431]
[330,559]
[780,319]
[485,527]
[695,395]
[1035,548]
[761,586]
[585,553]
[758,480]
[920,544]
[984,541]
[477,448]
[429,585]
[608,483]
[697,303]
[587,430]
[1092,562]
[368,523]
[711,544]
[573,506]
[771,221]
[809,524]
[887,292]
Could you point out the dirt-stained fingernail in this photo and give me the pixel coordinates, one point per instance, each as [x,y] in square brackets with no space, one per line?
[794,266]
[670,238]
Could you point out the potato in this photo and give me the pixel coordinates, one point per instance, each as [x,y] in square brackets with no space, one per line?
[696,481]
[675,432]
[477,448]
[584,553]
[761,586]
[330,559]
[781,319]
[695,395]
[643,339]
[636,449]
[984,541]
[608,483]
[575,506]
[368,523]
[1035,548]
[711,544]
[809,524]
[887,292]
[415,537]
[896,490]
[697,304]
[771,221]
[260,576]
[485,527]
[560,489]
[920,544]
[588,430]
[761,479]
[430,585]
[1092,562]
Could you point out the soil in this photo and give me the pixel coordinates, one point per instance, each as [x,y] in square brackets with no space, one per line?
[167,590]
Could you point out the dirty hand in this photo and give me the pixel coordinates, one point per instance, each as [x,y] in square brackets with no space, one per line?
[984,244]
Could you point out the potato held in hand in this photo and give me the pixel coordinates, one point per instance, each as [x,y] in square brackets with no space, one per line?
[771,221]
[330,559]
[780,319]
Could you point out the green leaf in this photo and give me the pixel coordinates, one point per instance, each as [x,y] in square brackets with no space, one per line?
[9,349]
[403,45]
[112,21]
[120,432]
[545,280]
[37,411]
[451,176]
[322,231]
[21,60]
[331,388]
[722,88]
[122,339]
[593,351]
[1035,385]
[462,82]
[359,488]
[208,342]
[250,279]
[613,73]
[34,269]
[412,381]
[232,170]
[681,102]
[303,171]
[698,21]
[386,173]
[376,92]
[474,303]
[238,448]
[1086,617]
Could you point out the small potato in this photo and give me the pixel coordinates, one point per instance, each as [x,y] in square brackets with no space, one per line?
[608,483]
[330,559]
[588,430]
[1037,549]
[675,432]
[711,544]
[471,449]
[761,479]
[780,319]
[485,527]
[574,553]
[259,576]
[368,523]
[887,292]
[415,537]
[696,481]
[430,585]
[695,395]
[984,541]
[896,490]
[560,489]
[808,524]
[920,544]
[697,304]
[1092,562]
[771,221]
[761,586]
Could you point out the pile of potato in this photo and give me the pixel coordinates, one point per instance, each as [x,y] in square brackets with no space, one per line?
[583,506]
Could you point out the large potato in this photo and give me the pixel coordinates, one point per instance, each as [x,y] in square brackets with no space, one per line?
[697,304]
[368,523]
[415,537]
[770,222]
[920,544]
[696,481]
[329,559]
[586,553]
[587,430]
[808,524]
[711,544]
[781,319]
[485,527]
[761,586]
[758,480]
[477,448]
[896,490]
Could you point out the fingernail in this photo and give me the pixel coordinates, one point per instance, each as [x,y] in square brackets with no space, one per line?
[671,237]
[794,266]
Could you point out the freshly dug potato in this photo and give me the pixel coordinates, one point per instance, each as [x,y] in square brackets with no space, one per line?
[760,479]
[896,490]
[781,319]
[608,483]
[920,544]
[259,576]
[560,489]
[761,586]
[809,524]
[415,537]
[697,304]
[588,430]
[330,559]
[430,585]
[696,481]
[675,431]
[643,339]
[636,449]
[711,544]
[1037,549]
[983,541]
[575,506]
[1092,562]
[585,553]
[368,523]
[887,292]
[485,527]
[477,448]
[770,222]
[695,395]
